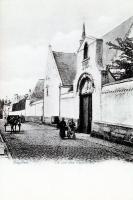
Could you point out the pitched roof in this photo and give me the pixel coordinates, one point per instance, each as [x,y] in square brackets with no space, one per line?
[38,91]
[66,64]
[120,31]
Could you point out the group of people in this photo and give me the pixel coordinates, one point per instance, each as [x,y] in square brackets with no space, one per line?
[13,121]
[67,129]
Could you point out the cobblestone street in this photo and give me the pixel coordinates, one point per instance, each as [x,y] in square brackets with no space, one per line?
[42,142]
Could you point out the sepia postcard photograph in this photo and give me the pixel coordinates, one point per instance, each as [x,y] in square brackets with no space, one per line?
[66,100]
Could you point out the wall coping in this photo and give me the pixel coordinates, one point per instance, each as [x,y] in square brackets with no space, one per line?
[117,82]
[114,124]
[67,97]
[66,93]
[36,102]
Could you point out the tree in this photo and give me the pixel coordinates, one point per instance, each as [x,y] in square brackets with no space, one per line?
[1,108]
[1,103]
[124,64]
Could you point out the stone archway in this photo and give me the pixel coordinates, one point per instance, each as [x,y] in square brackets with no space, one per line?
[85,88]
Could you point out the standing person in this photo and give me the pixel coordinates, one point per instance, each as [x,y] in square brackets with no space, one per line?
[72,125]
[11,122]
[62,127]
[71,129]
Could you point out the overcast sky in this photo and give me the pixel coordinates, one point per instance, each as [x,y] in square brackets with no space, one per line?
[27,27]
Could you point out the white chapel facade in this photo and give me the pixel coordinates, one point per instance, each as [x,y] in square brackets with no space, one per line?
[74,82]
[78,97]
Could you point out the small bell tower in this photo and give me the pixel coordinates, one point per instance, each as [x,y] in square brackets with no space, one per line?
[83,34]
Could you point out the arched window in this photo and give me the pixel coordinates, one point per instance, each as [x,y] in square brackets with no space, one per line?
[85,51]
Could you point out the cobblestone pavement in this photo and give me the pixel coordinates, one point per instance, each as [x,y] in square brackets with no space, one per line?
[42,142]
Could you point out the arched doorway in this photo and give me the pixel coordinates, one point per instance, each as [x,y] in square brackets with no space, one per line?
[86,87]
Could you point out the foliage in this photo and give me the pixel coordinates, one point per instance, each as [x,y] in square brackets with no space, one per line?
[1,103]
[1,108]
[123,64]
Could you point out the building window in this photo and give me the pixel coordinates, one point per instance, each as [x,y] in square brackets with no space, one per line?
[85,56]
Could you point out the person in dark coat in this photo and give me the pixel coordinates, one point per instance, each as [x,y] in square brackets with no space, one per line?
[62,127]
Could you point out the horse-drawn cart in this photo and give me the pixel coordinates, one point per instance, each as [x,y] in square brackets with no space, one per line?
[13,121]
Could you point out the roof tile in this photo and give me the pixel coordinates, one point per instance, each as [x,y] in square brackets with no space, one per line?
[66,64]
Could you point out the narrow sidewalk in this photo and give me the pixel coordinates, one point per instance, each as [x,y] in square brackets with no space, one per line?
[4,152]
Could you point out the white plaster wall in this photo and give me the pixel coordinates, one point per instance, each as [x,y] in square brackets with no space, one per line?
[30,110]
[20,112]
[70,106]
[38,108]
[51,105]
[52,80]
[117,103]
[34,109]
[95,73]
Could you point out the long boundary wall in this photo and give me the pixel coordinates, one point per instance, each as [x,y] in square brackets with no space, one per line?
[32,112]
[116,110]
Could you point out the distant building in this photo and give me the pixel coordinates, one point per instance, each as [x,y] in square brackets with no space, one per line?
[35,103]
[30,105]
[7,108]
[60,73]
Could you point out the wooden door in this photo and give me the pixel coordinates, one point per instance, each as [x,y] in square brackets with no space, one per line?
[85,113]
